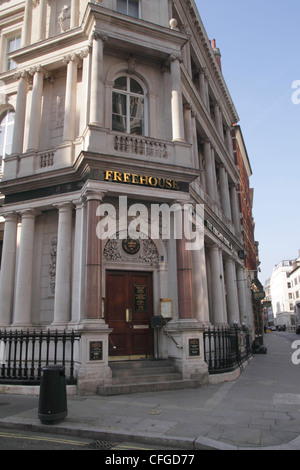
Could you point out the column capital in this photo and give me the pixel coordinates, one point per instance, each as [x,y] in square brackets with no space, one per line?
[207,140]
[187,106]
[10,216]
[29,213]
[92,194]
[73,57]
[36,69]
[215,247]
[21,74]
[84,53]
[96,35]
[174,57]
[64,206]
[78,203]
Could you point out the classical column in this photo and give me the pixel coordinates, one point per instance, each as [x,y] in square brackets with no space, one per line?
[93,274]
[85,90]
[22,311]
[42,20]
[74,13]
[200,285]
[8,263]
[70,101]
[35,113]
[184,276]
[223,286]
[18,136]
[187,114]
[217,287]
[62,299]
[78,262]
[232,292]
[218,119]
[214,175]
[241,285]
[187,57]
[224,190]
[176,100]
[203,87]
[195,140]
[235,207]
[97,80]
[209,177]
[229,141]
[26,30]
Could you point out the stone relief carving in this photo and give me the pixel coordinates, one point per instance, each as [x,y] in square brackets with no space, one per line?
[60,110]
[52,266]
[64,18]
[148,253]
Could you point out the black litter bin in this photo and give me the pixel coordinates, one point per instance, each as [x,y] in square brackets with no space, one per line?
[53,394]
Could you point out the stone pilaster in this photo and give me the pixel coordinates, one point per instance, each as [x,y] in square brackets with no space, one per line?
[35,113]
[232,291]
[219,317]
[62,299]
[176,100]
[97,80]
[70,101]
[8,266]
[22,311]
[17,145]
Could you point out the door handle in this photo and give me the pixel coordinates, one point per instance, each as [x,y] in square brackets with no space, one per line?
[128,315]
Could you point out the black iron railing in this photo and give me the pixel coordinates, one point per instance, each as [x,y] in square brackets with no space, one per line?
[225,349]
[23,354]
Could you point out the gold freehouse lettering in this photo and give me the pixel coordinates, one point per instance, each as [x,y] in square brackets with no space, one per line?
[143,180]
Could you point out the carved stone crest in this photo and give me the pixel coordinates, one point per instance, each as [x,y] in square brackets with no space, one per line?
[147,252]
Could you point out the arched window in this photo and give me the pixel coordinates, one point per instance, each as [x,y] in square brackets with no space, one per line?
[128,106]
[7,120]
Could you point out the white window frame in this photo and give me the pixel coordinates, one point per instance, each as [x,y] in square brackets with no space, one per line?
[9,63]
[127,13]
[127,93]
[3,114]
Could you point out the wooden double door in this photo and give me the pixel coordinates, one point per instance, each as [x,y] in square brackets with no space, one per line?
[128,311]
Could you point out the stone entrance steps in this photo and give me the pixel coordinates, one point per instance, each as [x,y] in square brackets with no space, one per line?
[144,376]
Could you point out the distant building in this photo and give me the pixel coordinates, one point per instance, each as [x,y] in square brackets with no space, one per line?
[284,287]
[294,290]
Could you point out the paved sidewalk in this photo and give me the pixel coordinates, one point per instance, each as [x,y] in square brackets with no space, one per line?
[260,410]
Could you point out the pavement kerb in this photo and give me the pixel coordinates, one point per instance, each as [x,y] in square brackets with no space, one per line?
[96,433]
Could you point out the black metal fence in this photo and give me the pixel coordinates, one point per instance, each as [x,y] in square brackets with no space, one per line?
[225,349]
[24,354]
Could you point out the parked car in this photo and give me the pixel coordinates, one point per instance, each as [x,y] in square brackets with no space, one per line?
[281,328]
[298,330]
[272,328]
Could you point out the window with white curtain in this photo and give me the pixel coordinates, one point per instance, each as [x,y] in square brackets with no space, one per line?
[128,106]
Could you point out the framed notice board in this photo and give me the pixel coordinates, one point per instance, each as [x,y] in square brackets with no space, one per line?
[194,347]
[96,350]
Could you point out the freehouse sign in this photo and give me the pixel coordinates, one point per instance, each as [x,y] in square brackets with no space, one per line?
[143,180]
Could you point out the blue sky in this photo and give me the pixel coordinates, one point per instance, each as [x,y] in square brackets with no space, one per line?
[260,47]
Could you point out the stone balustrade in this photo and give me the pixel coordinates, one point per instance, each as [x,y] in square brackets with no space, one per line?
[140,146]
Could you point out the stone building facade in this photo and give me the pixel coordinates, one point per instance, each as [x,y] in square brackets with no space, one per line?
[116,101]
